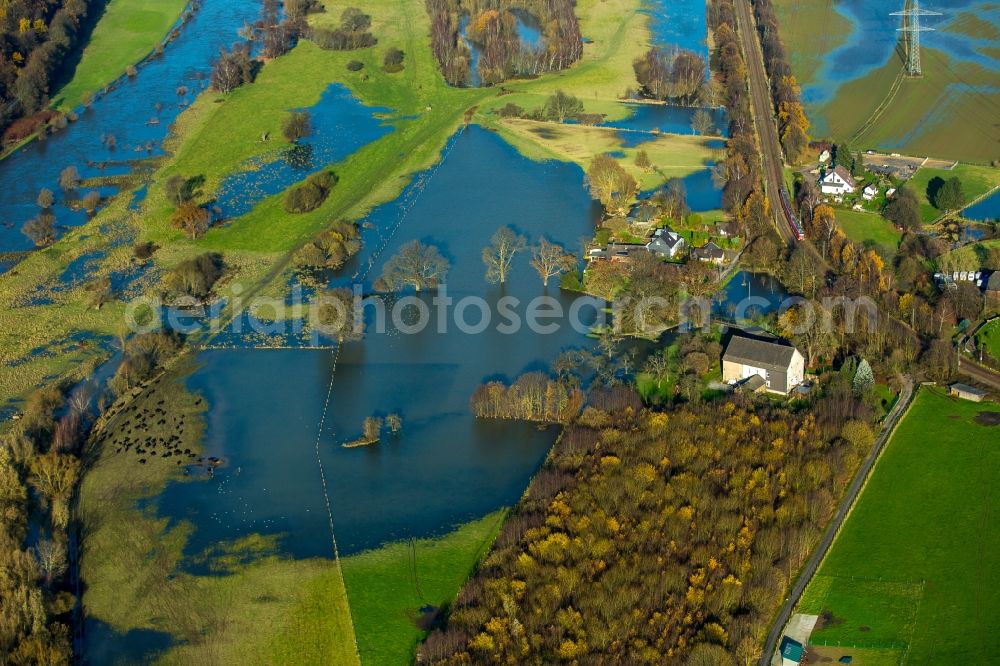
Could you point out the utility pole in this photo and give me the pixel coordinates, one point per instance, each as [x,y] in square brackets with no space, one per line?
[912,29]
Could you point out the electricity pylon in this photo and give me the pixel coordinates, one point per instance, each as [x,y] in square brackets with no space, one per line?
[912,28]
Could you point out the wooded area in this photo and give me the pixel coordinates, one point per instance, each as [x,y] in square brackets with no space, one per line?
[659,535]
[492,27]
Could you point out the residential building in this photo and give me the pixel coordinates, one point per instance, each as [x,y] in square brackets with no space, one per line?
[870,192]
[666,243]
[782,366]
[709,252]
[837,181]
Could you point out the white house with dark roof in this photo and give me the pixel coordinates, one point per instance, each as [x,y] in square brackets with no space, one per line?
[870,192]
[837,181]
[666,243]
[780,365]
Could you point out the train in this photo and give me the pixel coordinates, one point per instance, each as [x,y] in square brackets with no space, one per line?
[793,219]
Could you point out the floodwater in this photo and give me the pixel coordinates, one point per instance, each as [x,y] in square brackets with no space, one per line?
[873,38]
[445,467]
[126,113]
[341,125]
[529,31]
[266,416]
[986,210]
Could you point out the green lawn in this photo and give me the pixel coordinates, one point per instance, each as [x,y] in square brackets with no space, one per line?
[868,229]
[128,31]
[989,338]
[913,564]
[976,181]
[967,257]
[388,587]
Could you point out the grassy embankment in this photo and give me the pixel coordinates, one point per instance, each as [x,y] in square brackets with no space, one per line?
[672,156]
[810,31]
[128,31]
[989,338]
[976,181]
[920,581]
[389,586]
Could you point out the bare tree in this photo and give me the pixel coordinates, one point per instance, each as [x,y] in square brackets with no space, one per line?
[417,265]
[499,254]
[52,560]
[550,260]
[702,122]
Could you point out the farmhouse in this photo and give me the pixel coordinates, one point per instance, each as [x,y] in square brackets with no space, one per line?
[837,181]
[781,366]
[666,243]
[966,392]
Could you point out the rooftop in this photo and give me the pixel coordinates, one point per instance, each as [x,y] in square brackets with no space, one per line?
[759,353]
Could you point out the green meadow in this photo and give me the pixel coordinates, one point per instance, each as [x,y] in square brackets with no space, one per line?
[127,32]
[912,567]
[869,229]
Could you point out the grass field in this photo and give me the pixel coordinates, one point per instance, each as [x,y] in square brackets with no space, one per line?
[869,229]
[976,181]
[912,565]
[127,32]
[389,586]
[945,113]
[801,22]
[967,257]
[672,155]
[988,337]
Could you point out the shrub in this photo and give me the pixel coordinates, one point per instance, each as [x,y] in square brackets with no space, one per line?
[393,60]
[195,277]
[311,194]
[355,66]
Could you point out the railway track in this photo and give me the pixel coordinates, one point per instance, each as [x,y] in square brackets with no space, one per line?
[764,122]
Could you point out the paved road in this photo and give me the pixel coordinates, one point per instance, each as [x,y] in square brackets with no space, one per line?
[888,425]
[763,114]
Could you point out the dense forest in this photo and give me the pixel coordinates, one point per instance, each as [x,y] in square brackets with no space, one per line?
[491,26]
[35,38]
[651,536]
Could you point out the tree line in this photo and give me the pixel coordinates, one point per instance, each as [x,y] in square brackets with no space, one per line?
[492,27]
[786,94]
[532,397]
[41,456]
[35,38]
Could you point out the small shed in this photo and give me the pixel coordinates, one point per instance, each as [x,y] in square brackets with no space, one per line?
[966,392]
[791,652]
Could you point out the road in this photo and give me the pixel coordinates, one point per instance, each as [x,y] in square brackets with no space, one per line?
[763,114]
[888,425]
